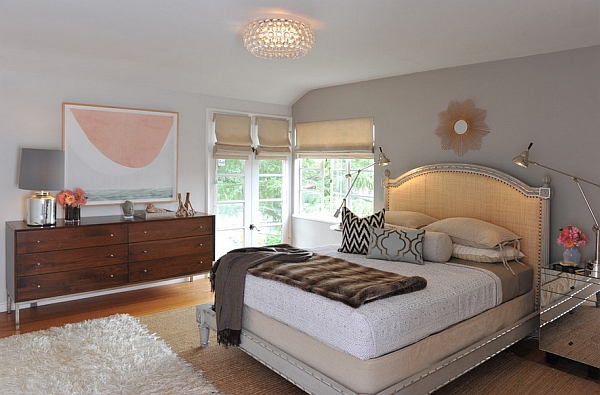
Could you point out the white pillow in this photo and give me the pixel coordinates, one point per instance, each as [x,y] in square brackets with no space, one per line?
[486,255]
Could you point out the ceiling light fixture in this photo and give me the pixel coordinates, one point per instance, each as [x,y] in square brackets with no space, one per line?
[279,39]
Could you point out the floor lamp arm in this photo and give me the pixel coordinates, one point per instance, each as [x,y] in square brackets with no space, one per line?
[595,227]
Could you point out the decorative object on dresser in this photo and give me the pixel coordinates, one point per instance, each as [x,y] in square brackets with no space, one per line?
[103,253]
[184,209]
[41,170]
[523,161]
[462,127]
[153,212]
[128,209]
[119,154]
[72,203]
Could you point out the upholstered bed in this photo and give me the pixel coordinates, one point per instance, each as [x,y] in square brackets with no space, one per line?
[326,347]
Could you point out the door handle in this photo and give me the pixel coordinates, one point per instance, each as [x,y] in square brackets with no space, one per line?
[252,227]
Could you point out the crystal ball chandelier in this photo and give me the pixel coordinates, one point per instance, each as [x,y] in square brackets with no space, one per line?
[279,39]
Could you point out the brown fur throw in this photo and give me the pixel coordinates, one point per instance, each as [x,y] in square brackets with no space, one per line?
[339,279]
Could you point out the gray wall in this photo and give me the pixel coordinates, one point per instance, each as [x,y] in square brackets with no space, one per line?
[552,100]
[31,117]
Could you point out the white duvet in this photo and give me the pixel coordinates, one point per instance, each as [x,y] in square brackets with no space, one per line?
[453,293]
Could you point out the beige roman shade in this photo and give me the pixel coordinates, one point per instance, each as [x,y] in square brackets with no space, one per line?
[233,136]
[338,138]
[273,138]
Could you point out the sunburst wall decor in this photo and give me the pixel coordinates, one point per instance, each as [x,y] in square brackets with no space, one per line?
[462,127]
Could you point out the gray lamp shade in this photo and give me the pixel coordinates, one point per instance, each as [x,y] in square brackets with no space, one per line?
[42,169]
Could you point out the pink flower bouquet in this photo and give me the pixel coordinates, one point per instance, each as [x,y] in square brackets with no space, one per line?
[70,198]
[571,237]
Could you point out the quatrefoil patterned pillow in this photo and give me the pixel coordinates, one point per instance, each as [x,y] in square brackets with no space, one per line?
[396,245]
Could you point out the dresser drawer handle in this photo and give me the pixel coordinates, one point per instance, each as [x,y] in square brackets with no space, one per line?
[145,270]
[145,232]
[39,241]
[39,264]
[112,275]
[39,286]
[145,251]
[112,256]
[111,235]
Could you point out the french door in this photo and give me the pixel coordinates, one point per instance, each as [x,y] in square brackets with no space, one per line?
[251,203]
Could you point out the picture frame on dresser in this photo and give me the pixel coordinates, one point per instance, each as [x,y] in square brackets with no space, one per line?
[117,154]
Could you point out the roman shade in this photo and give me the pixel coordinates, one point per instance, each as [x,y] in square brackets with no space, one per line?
[338,138]
[233,136]
[273,138]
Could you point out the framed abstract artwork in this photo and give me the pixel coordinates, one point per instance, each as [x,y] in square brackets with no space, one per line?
[117,154]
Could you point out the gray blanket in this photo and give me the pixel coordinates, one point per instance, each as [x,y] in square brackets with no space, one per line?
[227,280]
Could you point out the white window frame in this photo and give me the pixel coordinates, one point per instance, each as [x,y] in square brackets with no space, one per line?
[211,170]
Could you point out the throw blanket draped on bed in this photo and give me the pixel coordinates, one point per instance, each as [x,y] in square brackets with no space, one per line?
[338,279]
[227,279]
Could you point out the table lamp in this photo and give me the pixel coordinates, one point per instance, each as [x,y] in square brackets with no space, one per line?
[41,170]
[523,161]
[382,161]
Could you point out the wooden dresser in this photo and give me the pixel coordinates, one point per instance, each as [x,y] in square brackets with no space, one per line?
[102,253]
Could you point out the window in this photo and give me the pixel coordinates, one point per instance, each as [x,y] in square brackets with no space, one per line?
[323,185]
[250,180]
[333,156]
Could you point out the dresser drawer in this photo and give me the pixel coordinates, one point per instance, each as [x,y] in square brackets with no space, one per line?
[171,267]
[168,229]
[170,248]
[61,261]
[70,237]
[70,282]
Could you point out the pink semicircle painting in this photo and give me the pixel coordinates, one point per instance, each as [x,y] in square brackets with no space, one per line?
[131,140]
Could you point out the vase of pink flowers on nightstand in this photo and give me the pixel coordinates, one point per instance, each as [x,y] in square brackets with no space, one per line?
[72,203]
[571,238]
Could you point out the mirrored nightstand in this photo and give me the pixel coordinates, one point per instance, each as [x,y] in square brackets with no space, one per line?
[570,316]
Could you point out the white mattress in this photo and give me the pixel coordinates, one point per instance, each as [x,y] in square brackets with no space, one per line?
[453,293]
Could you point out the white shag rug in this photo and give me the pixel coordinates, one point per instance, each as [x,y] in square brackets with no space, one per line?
[113,355]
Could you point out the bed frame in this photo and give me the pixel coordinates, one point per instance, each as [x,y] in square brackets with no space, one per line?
[442,191]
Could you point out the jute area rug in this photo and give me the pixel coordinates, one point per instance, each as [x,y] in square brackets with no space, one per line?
[108,356]
[233,372]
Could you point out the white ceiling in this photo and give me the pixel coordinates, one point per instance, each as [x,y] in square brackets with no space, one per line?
[196,45]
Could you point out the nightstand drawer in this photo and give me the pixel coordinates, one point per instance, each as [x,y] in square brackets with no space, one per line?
[575,335]
[68,238]
[61,261]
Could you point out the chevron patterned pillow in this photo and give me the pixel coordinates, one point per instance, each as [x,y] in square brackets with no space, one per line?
[356,230]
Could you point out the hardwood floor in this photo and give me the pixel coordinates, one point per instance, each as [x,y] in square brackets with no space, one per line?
[173,296]
[136,303]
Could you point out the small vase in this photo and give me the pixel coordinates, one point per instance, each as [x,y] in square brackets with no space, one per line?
[572,255]
[72,214]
